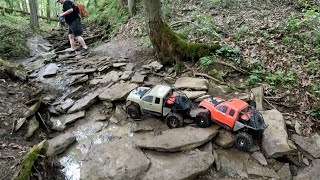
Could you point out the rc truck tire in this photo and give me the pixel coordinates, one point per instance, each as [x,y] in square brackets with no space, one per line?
[134,111]
[244,141]
[203,120]
[174,120]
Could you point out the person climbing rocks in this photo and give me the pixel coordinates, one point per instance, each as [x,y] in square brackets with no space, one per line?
[71,15]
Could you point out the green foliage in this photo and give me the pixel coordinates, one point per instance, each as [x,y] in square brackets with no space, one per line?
[242,32]
[13,31]
[313,112]
[229,52]
[313,66]
[280,77]
[206,61]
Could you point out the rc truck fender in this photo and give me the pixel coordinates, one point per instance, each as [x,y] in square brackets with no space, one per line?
[238,125]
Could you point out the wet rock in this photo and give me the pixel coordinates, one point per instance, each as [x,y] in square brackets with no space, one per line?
[87,129]
[155,65]
[116,65]
[126,75]
[137,78]
[308,144]
[50,70]
[44,47]
[33,125]
[113,94]
[118,159]
[148,124]
[260,158]
[183,165]
[258,97]
[199,99]
[225,138]
[285,173]
[67,104]
[60,143]
[191,83]
[53,111]
[85,101]
[275,137]
[194,94]
[59,123]
[82,71]
[232,162]
[184,139]
[253,168]
[311,172]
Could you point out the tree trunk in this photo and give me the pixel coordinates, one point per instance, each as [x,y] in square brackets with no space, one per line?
[132,7]
[34,22]
[48,10]
[24,5]
[170,48]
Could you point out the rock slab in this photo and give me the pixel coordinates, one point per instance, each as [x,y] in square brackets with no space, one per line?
[60,143]
[173,140]
[225,138]
[191,83]
[118,159]
[59,123]
[310,145]
[50,70]
[117,91]
[275,137]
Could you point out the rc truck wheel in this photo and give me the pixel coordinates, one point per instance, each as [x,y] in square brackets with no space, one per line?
[174,120]
[244,141]
[134,111]
[203,120]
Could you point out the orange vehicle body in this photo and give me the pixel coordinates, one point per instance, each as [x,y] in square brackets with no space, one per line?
[224,112]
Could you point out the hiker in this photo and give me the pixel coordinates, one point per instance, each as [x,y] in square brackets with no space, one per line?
[71,15]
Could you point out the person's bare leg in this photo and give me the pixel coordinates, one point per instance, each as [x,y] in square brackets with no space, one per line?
[81,41]
[72,43]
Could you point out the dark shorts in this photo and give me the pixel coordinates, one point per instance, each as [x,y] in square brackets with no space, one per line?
[75,27]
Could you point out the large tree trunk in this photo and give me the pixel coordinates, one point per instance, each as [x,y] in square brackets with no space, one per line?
[48,10]
[132,7]
[25,6]
[170,48]
[34,23]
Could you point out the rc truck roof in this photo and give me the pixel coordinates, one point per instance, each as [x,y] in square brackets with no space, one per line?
[236,104]
[159,91]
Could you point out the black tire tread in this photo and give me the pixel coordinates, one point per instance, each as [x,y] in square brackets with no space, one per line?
[247,137]
[178,116]
[135,107]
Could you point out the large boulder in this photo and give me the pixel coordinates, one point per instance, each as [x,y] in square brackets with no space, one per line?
[308,144]
[60,143]
[117,91]
[118,159]
[183,165]
[275,137]
[173,140]
[225,138]
[191,83]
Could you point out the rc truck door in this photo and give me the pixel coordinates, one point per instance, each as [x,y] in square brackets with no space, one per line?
[146,103]
[222,117]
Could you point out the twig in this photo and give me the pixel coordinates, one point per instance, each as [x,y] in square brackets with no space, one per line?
[232,66]
[269,103]
[43,122]
[207,76]
[174,24]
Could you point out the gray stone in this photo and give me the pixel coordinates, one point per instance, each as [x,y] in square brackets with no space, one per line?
[285,173]
[88,128]
[86,101]
[298,128]
[184,139]
[169,80]
[225,138]
[44,47]
[148,124]
[232,162]
[126,75]
[258,97]
[33,125]
[113,94]
[199,99]
[110,77]
[306,161]
[82,71]
[292,145]
[194,94]
[308,144]
[182,165]
[275,137]
[59,123]
[108,104]
[155,65]
[120,114]
[254,168]
[191,83]
[310,172]
[67,104]
[215,90]
[45,55]
[116,65]
[260,158]
[129,67]
[60,143]
[118,159]
[137,78]
[50,70]
[77,79]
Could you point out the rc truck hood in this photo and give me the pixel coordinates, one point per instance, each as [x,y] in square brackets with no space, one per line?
[138,92]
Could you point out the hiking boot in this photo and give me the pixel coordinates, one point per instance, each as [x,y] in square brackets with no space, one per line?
[84,51]
[72,52]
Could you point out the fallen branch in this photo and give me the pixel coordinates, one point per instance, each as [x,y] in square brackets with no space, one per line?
[232,66]
[207,76]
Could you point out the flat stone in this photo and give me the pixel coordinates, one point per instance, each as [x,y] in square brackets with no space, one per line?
[258,97]
[50,70]
[116,65]
[155,65]
[112,76]
[275,137]
[60,143]
[285,173]
[260,158]
[33,125]
[199,99]
[148,124]
[129,67]
[137,78]
[184,139]
[113,94]
[82,71]
[67,104]
[44,47]
[194,94]
[310,172]
[87,129]
[309,144]
[182,165]
[254,168]
[225,138]
[118,159]
[59,123]
[85,101]
[169,80]
[191,83]
[78,79]
[126,75]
